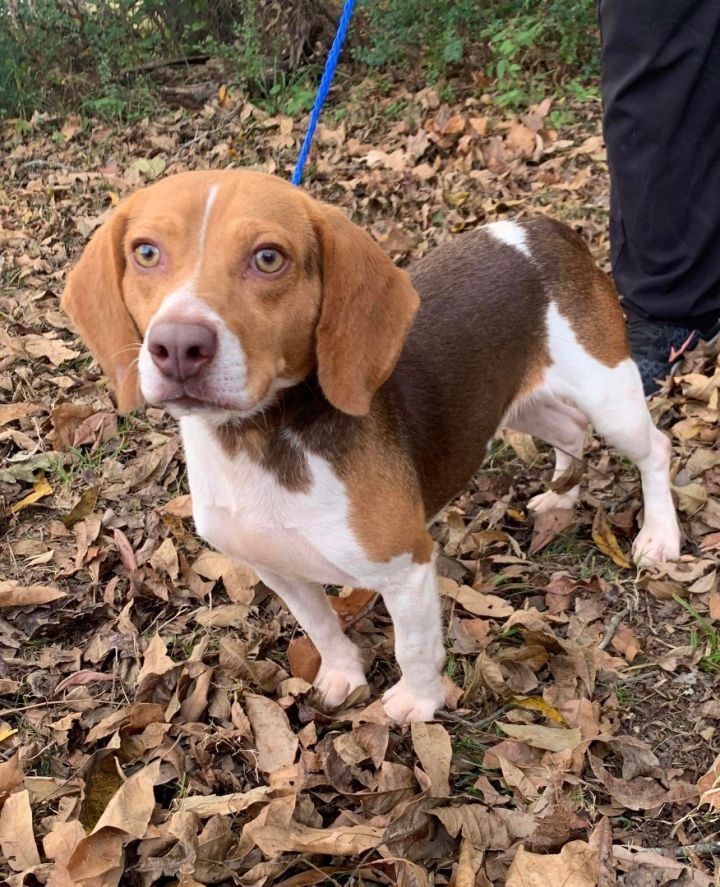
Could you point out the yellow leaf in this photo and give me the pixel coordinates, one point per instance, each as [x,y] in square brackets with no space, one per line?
[606,540]
[6,733]
[114,198]
[537,703]
[41,488]
[223,95]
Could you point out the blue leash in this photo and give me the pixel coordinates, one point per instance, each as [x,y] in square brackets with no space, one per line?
[323,89]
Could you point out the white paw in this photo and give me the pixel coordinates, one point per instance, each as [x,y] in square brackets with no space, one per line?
[657,543]
[550,499]
[335,684]
[404,705]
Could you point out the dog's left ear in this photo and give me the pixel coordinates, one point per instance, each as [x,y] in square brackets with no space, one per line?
[93,298]
[368,305]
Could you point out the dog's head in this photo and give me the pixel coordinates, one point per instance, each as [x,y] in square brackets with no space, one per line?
[211,291]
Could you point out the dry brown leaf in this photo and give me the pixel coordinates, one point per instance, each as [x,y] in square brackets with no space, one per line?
[641,793]
[132,805]
[709,786]
[522,443]
[601,839]
[14,595]
[548,525]
[16,833]
[222,616]
[180,506]
[625,642]
[548,738]
[55,350]
[11,776]
[276,743]
[165,559]
[156,661]
[97,861]
[691,498]
[606,540]
[479,825]
[576,865]
[338,841]
[303,658]
[11,412]
[433,747]
[475,601]
[206,806]
[59,845]
[96,430]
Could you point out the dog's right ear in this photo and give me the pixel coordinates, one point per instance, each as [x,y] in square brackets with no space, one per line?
[93,298]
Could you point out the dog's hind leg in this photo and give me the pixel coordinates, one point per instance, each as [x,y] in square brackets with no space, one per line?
[611,395]
[564,427]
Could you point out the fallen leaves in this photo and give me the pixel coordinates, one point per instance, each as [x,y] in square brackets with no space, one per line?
[276,742]
[575,866]
[159,720]
[548,738]
[17,838]
[12,594]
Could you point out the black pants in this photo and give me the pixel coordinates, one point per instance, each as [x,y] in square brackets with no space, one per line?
[661,102]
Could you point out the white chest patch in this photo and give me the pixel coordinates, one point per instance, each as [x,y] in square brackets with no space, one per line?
[241,509]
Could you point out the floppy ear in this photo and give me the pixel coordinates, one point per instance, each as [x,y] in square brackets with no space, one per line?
[93,299]
[367,308]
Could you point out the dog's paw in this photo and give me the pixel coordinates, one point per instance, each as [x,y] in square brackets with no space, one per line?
[404,705]
[549,500]
[334,685]
[657,543]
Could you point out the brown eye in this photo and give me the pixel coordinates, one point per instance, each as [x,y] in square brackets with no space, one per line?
[147,255]
[268,260]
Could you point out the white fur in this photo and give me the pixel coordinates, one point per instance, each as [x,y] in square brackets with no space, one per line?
[225,379]
[612,399]
[300,541]
[511,234]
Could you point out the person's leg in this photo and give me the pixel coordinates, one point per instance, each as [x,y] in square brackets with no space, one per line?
[661,116]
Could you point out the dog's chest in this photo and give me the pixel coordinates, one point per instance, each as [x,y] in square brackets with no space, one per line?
[242,509]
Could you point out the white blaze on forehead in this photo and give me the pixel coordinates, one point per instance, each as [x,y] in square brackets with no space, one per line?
[511,234]
[206,217]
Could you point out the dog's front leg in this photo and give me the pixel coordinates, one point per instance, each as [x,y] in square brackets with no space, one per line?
[414,605]
[341,669]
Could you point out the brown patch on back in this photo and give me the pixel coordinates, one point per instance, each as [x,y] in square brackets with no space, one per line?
[583,293]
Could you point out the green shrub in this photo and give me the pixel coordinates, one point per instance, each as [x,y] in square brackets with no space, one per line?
[62,54]
[518,43]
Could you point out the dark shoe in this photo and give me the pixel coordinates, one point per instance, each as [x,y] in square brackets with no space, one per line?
[657,347]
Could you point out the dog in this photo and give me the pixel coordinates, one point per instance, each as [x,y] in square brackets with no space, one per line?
[331,404]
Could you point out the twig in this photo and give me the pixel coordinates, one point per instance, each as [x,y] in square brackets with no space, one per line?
[362,612]
[146,67]
[702,848]
[613,627]
[12,711]
[472,725]
[44,164]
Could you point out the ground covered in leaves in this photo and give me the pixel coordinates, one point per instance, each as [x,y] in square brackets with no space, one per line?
[157,725]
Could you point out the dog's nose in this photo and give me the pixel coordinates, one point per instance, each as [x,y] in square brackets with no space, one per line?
[181,350]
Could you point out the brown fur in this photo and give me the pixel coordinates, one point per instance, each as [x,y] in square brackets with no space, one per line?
[584,295]
[336,273]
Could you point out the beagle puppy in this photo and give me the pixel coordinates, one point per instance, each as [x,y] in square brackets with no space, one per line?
[330,404]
